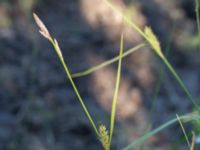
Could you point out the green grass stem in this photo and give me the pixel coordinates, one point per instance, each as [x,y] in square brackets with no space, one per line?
[193,141]
[108,62]
[75,88]
[44,32]
[183,129]
[184,118]
[180,82]
[116,92]
[158,85]
[197,16]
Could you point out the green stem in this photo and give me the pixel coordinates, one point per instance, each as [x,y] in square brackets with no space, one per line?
[106,63]
[183,129]
[115,97]
[197,16]
[180,82]
[139,141]
[74,87]
[160,79]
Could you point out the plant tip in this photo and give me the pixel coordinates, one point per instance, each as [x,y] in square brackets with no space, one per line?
[103,137]
[43,30]
[58,49]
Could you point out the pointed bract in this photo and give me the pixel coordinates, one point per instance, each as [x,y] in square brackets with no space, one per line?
[58,48]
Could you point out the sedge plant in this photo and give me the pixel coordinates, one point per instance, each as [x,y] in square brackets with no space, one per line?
[102,134]
[44,32]
[152,40]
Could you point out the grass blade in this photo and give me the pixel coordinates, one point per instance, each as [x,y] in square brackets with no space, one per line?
[193,141]
[106,63]
[158,85]
[185,118]
[115,97]
[180,82]
[183,129]
[197,16]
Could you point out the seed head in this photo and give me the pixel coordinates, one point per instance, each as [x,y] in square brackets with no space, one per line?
[43,30]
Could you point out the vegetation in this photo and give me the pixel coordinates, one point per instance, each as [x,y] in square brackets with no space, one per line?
[102,133]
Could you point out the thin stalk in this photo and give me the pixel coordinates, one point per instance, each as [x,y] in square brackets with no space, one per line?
[45,33]
[158,85]
[197,16]
[74,87]
[183,129]
[152,110]
[108,62]
[185,118]
[193,141]
[132,24]
[180,82]
[116,92]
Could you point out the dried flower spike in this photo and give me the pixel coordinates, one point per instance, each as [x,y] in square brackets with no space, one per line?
[43,30]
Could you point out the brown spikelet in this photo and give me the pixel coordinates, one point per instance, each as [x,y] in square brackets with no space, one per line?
[43,30]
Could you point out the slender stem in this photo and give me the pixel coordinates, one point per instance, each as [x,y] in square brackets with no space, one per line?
[185,118]
[132,24]
[180,82]
[193,141]
[160,80]
[115,97]
[106,63]
[75,88]
[183,129]
[197,16]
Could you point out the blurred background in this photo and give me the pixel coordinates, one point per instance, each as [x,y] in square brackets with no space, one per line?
[38,107]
